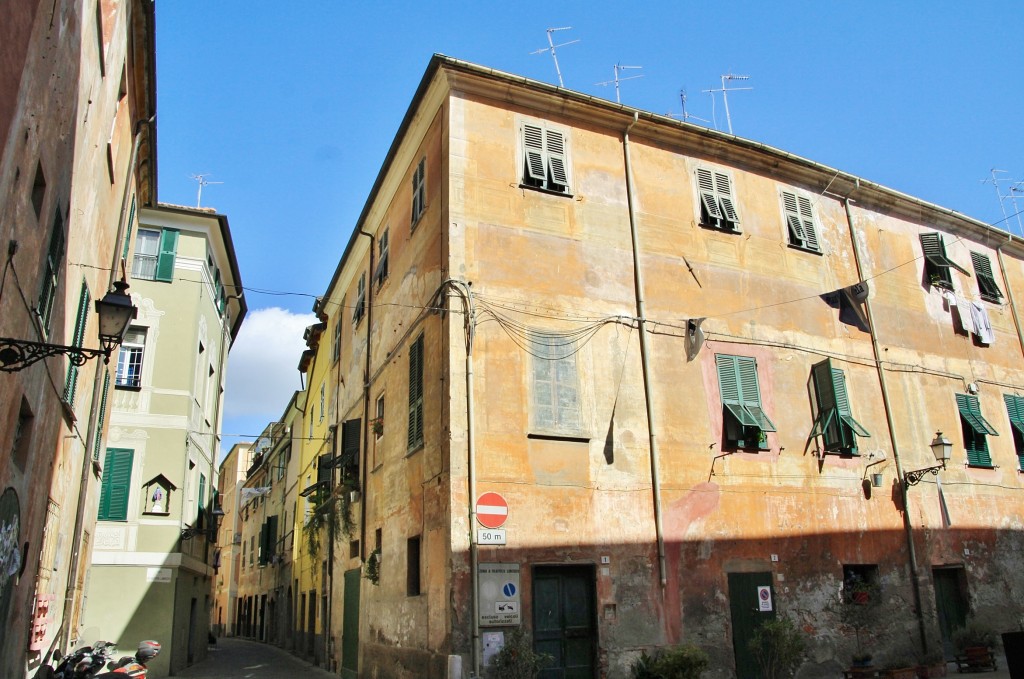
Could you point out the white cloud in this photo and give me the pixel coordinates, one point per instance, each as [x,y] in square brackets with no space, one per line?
[263,365]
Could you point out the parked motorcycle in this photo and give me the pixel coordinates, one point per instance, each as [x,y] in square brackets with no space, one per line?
[84,662]
[133,666]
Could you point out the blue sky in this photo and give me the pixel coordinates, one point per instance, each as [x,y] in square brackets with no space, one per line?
[293,106]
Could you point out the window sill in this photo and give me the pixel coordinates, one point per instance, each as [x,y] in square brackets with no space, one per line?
[559,437]
[550,192]
[721,229]
[416,222]
[801,248]
[992,300]
[981,466]
[412,451]
[128,387]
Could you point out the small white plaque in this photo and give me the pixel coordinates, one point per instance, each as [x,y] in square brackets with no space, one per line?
[158,575]
[490,536]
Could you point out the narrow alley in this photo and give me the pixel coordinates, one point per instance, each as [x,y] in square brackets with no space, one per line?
[232,658]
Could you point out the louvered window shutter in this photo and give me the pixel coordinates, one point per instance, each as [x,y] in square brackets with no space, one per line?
[415,428]
[351,431]
[168,252]
[807,219]
[533,148]
[71,379]
[114,491]
[986,281]
[1015,410]
[556,158]
[975,429]
[737,382]
[706,186]
[325,470]
[797,236]
[724,190]
[750,392]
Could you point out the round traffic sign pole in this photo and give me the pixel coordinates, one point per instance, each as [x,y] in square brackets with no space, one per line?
[491,510]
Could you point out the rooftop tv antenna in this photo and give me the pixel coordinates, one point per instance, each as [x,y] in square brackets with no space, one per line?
[685,117]
[725,97]
[551,48]
[1015,193]
[201,179]
[617,80]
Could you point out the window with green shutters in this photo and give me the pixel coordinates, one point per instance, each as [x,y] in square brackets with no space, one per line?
[155,254]
[268,541]
[201,500]
[71,379]
[545,157]
[936,264]
[115,488]
[359,308]
[556,403]
[51,272]
[987,287]
[746,423]
[975,429]
[351,431]
[834,422]
[414,438]
[419,191]
[800,221]
[717,202]
[1015,410]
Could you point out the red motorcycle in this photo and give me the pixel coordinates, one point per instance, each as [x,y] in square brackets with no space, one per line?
[133,666]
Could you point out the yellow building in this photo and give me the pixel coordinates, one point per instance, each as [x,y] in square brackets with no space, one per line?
[698,379]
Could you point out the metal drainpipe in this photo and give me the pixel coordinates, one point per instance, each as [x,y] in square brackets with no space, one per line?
[366,412]
[97,388]
[907,525]
[1009,293]
[644,355]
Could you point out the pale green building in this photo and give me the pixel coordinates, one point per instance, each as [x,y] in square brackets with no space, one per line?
[155,553]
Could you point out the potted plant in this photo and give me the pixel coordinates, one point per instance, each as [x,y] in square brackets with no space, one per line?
[859,608]
[517,659]
[931,665]
[974,642]
[680,662]
[778,646]
[903,666]
[377,424]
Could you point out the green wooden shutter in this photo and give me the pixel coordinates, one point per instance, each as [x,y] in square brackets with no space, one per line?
[835,420]
[706,186]
[325,470]
[750,392]
[1015,409]
[128,230]
[201,502]
[555,147]
[51,275]
[97,444]
[975,429]
[166,256]
[351,431]
[797,235]
[533,149]
[723,188]
[71,379]
[986,281]
[116,486]
[415,429]
[737,382]
[807,218]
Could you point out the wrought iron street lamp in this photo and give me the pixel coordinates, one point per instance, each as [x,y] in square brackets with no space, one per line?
[115,311]
[941,449]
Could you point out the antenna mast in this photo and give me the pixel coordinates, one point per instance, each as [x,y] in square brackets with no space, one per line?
[725,97]
[201,179]
[685,117]
[617,80]
[1015,194]
[551,48]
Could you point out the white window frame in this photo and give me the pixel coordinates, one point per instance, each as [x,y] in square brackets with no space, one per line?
[130,347]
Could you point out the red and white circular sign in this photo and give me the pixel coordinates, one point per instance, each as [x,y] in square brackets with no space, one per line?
[491,510]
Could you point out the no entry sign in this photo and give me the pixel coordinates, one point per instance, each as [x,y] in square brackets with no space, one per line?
[491,510]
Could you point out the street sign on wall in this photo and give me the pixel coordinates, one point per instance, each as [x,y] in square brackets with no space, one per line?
[499,594]
[491,510]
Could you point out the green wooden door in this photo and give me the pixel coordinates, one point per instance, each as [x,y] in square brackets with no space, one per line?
[950,604]
[564,620]
[745,607]
[350,626]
